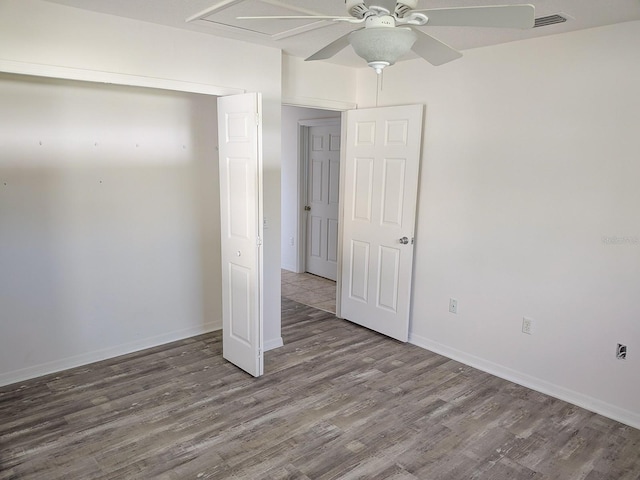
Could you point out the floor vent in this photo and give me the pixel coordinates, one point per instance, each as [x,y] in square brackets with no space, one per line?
[549,20]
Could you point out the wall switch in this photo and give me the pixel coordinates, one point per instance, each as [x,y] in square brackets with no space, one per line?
[527,325]
[453,305]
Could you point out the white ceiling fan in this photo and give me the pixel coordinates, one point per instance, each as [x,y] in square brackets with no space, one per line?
[391,29]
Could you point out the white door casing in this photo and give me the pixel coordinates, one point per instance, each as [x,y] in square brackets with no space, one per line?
[323,191]
[240,153]
[381,166]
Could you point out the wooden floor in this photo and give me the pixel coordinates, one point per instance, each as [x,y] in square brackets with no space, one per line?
[309,290]
[337,401]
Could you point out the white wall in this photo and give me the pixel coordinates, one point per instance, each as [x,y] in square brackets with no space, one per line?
[318,84]
[328,89]
[529,207]
[109,226]
[291,173]
[37,32]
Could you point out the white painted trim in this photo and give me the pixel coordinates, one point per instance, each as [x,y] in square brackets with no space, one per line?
[211,9]
[589,403]
[303,149]
[86,358]
[319,122]
[308,102]
[343,162]
[273,344]
[96,76]
[199,19]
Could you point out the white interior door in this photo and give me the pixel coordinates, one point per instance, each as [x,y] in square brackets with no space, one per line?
[239,131]
[382,154]
[323,191]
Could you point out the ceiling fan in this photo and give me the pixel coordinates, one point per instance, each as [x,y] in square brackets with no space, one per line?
[391,29]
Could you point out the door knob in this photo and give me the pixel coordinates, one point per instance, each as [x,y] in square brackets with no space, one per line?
[307,208]
[404,240]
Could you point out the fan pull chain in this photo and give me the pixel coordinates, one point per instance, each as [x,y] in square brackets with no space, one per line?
[379,85]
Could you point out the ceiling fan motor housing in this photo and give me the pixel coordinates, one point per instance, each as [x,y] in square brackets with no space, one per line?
[405,6]
[356,8]
[380,22]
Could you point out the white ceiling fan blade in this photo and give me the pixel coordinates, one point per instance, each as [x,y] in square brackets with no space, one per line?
[294,17]
[508,16]
[331,49]
[434,51]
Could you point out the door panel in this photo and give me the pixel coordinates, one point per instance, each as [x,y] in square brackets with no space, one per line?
[241,230]
[359,274]
[389,262]
[240,308]
[381,168]
[363,189]
[323,192]
[332,248]
[393,191]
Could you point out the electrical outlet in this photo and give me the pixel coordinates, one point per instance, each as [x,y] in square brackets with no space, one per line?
[453,305]
[621,352]
[527,325]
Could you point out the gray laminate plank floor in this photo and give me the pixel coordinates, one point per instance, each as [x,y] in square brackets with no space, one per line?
[337,402]
[309,290]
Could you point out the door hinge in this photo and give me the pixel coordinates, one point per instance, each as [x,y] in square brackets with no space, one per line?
[259,242]
[257,118]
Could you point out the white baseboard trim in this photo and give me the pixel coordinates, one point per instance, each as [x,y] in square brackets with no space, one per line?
[589,403]
[35,371]
[273,344]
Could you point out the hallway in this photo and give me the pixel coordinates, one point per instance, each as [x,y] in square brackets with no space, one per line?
[309,290]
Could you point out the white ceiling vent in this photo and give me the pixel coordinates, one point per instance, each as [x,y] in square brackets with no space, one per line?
[550,20]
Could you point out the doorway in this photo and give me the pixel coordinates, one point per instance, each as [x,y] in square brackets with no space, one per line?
[320,160]
[311,290]
[108,219]
[306,130]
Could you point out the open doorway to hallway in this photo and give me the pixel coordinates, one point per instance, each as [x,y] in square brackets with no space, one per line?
[311,290]
[309,202]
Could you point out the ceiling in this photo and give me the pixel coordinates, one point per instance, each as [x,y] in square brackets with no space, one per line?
[302,38]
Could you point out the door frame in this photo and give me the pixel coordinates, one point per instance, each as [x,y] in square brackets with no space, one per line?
[304,129]
[98,76]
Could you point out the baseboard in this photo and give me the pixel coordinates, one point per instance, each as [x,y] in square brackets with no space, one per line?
[35,371]
[589,403]
[273,344]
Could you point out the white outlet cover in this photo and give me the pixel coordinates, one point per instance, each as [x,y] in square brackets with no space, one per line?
[453,305]
[527,325]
